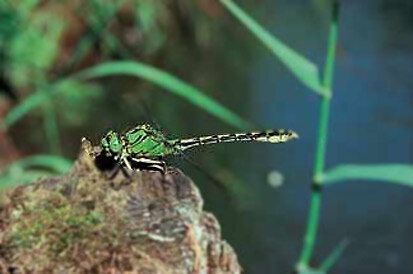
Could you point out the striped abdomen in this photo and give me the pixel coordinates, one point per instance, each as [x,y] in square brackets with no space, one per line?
[271,136]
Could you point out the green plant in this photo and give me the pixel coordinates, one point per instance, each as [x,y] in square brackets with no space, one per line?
[307,73]
[29,67]
[137,69]
[38,72]
[31,168]
[14,27]
[42,33]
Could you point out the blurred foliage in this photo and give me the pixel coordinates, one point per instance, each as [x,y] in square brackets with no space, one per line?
[31,168]
[72,95]
[45,40]
[44,43]
[169,83]
[151,32]
[28,41]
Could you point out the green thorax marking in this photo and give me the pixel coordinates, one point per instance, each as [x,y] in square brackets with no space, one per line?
[145,141]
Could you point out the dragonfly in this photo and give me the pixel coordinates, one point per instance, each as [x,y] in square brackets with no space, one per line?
[145,147]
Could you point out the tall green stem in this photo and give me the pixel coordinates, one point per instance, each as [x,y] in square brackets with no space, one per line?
[49,119]
[320,153]
[50,126]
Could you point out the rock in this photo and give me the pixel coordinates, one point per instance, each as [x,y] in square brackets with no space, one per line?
[90,222]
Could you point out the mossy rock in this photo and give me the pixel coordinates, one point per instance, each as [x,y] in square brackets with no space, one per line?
[88,222]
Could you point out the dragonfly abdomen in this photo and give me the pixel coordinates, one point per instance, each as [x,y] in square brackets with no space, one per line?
[271,136]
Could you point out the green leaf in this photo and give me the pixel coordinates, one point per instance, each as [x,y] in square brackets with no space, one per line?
[26,177]
[306,71]
[392,173]
[30,102]
[74,101]
[50,162]
[49,122]
[151,74]
[31,168]
[331,50]
[70,94]
[39,35]
[166,81]
[334,256]
[23,108]
[308,270]
[148,14]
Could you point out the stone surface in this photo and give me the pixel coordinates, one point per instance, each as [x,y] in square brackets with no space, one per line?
[89,221]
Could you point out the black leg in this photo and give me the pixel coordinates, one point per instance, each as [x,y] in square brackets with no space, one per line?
[127,172]
[113,172]
[120,168]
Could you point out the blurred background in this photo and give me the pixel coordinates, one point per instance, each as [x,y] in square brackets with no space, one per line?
[43,43]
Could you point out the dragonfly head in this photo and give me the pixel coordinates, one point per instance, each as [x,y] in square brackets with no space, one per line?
[112,144]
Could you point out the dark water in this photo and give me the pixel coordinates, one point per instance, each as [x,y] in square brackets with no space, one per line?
[371,122]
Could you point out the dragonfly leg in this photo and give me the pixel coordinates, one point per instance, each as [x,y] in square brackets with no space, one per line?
[149,164]
[124,166]
[127,172]
[126,162]
[113,172]
[160,166]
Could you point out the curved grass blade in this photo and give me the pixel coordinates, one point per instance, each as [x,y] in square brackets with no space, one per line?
[50,124]
[334,256]
[166,81]
[391,173]
[23,108]
[25,177]
[49,162]
[309,270]
[305,70]
[23,171]
[154,75]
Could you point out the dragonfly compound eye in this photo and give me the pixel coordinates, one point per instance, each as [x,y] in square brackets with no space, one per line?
[111,143]
[114,144]
[105,143]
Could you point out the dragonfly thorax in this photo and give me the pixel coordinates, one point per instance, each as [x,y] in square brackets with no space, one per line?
[145,141]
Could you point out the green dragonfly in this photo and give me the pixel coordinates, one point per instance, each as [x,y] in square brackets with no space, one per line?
[144,147]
